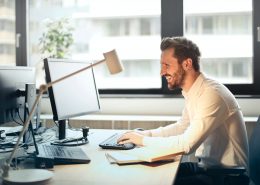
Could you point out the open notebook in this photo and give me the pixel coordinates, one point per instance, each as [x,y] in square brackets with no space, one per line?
[143,154]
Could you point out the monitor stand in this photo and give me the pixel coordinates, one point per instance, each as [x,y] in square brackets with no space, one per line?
[62,129]
[71,141]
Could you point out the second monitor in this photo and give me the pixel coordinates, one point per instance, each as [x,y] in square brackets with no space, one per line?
[72,97]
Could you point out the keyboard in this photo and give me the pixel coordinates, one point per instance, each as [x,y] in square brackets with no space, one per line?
[55,151]
[111,143]
[63,154]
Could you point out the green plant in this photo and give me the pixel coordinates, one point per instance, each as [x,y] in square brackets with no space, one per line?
[57,39]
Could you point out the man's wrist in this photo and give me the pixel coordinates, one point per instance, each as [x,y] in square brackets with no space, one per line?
[148,133]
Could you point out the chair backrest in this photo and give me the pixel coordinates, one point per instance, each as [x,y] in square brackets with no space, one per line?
[254,154]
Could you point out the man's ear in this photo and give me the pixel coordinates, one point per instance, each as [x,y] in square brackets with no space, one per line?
[187,64]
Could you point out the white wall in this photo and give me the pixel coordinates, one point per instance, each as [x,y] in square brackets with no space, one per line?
[153,106]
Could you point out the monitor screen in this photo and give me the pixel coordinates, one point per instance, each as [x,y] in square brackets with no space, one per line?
[13,80]
[74,96]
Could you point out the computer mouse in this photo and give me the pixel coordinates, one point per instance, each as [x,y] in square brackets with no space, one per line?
[139,129]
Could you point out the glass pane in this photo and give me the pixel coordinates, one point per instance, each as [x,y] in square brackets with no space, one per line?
[7,32]
[131,27]
[224,34]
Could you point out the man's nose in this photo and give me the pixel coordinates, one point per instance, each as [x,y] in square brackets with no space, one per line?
[163,71]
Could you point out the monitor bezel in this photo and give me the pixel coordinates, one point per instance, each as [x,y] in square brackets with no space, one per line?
[56,117]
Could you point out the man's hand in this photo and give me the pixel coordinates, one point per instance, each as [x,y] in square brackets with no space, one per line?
[131,137]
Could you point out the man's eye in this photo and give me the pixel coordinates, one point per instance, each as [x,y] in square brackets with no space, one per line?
[165,66]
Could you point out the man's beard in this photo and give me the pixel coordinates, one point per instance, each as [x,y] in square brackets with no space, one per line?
[179,79]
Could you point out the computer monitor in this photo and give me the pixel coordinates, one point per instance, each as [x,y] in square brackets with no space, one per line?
[74,96]
[17,86]
[17,93]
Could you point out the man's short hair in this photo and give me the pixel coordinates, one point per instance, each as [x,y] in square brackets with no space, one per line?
[183,49]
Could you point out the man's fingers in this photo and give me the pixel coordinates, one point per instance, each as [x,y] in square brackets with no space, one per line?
[125,141]
[122,138]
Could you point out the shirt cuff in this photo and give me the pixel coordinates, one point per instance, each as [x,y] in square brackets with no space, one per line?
[157,132]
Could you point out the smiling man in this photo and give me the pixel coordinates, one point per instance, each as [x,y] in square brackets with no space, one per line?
[212,123]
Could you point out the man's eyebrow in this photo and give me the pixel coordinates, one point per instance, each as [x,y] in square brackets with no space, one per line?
[165,63]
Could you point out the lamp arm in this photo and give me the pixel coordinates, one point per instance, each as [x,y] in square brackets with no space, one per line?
[43,88]
[8,162]
[74,73]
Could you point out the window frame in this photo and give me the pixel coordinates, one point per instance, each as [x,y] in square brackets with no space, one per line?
[171,14]
[21,25]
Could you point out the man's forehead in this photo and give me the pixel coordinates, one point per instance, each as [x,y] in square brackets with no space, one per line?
[167,54]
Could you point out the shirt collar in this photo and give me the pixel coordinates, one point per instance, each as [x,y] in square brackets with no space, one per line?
[195,87]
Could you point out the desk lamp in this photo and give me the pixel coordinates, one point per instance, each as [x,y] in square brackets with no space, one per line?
[39,175]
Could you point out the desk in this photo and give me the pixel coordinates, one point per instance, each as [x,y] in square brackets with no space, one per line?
[100,172]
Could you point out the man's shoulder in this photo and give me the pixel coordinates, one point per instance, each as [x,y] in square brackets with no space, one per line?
[213,90]
[214,86]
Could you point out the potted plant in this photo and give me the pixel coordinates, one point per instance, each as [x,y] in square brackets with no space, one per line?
[56,41]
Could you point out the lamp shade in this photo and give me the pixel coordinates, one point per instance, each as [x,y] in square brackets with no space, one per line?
[113,63]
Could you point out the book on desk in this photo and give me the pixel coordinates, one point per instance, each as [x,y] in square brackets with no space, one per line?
[143,154]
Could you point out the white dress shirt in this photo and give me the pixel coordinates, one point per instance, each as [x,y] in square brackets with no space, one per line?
[212,125]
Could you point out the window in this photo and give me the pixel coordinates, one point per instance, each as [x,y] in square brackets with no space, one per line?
[226,36]
[131,27]
[7,32]
[225,30]
[13,33]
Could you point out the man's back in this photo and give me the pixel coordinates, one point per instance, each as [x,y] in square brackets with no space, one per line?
[227,143]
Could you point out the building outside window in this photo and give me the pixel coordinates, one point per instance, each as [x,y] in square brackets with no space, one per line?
[7,32]
[224,34]
[131,27]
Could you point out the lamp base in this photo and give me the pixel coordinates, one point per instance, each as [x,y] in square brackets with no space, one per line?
[28,176]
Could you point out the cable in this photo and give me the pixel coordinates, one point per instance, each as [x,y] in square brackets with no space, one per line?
[14,119]
[10,146]
[30,129]
[69,126]
[47,136]
[18,112]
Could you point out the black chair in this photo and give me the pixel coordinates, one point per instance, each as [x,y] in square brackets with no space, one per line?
[254,154]
[228,176]
[237,175]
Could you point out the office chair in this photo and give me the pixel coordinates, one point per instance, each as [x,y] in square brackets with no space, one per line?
[237,175]
[228,176]
[254,154]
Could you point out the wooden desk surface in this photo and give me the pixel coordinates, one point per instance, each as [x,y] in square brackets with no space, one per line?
[100,172]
